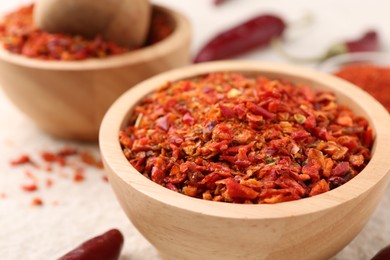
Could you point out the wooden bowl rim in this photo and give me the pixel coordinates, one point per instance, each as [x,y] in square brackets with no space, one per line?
[148,53]
[116,163]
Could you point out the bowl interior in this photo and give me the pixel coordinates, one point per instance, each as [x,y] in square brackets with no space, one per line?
[177,21]
[360,102]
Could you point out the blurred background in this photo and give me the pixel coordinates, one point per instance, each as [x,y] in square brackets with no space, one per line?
[89,209]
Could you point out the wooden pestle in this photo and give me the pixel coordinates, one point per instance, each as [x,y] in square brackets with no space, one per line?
[125,22]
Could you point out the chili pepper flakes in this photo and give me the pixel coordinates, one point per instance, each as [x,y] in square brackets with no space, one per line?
[272,142]
[67,162]
[23,159]
[371,78]
[37,201]
[19,35]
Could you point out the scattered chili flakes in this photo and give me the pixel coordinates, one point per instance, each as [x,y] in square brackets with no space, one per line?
[49,182]
[19,35]
[37,201]
[89,159]
[29,187]
[232,138]
[64,161]
[78,175]
[23,159]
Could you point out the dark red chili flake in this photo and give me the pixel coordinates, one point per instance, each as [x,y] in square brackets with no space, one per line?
[23,159]
[37,201]
[78,175]
[30,187]
[248,140]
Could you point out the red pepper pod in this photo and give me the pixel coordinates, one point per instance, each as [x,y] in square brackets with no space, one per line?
[368,42]
[105,247]
[255,33]
[218,2]
[383,254]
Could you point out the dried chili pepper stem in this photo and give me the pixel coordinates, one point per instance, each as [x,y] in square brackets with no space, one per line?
[369,41]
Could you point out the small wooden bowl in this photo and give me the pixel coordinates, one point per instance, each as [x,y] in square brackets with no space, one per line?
[69,98]
[181,227]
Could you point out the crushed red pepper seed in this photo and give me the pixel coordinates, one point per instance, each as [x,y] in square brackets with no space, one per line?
[232,138]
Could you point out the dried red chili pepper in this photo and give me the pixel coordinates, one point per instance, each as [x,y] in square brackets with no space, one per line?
[369,41]
[106,246]
[372,78]
[249,140]
[218,2]
[254,33]
[383,254]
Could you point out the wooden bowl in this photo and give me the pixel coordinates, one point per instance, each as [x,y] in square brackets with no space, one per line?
[69,98]
[181,227]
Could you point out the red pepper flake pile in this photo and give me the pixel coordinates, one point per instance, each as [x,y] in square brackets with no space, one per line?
[231,138]
[371,78]
[19,35]
[64,161]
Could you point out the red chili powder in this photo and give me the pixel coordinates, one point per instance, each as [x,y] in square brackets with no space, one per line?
[371,78]
[19,35]
[232,138]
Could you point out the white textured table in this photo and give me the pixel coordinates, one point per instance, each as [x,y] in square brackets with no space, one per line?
[73,212]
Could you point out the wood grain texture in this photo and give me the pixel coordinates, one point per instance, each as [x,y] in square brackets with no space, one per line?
[69,99]
[182,227]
